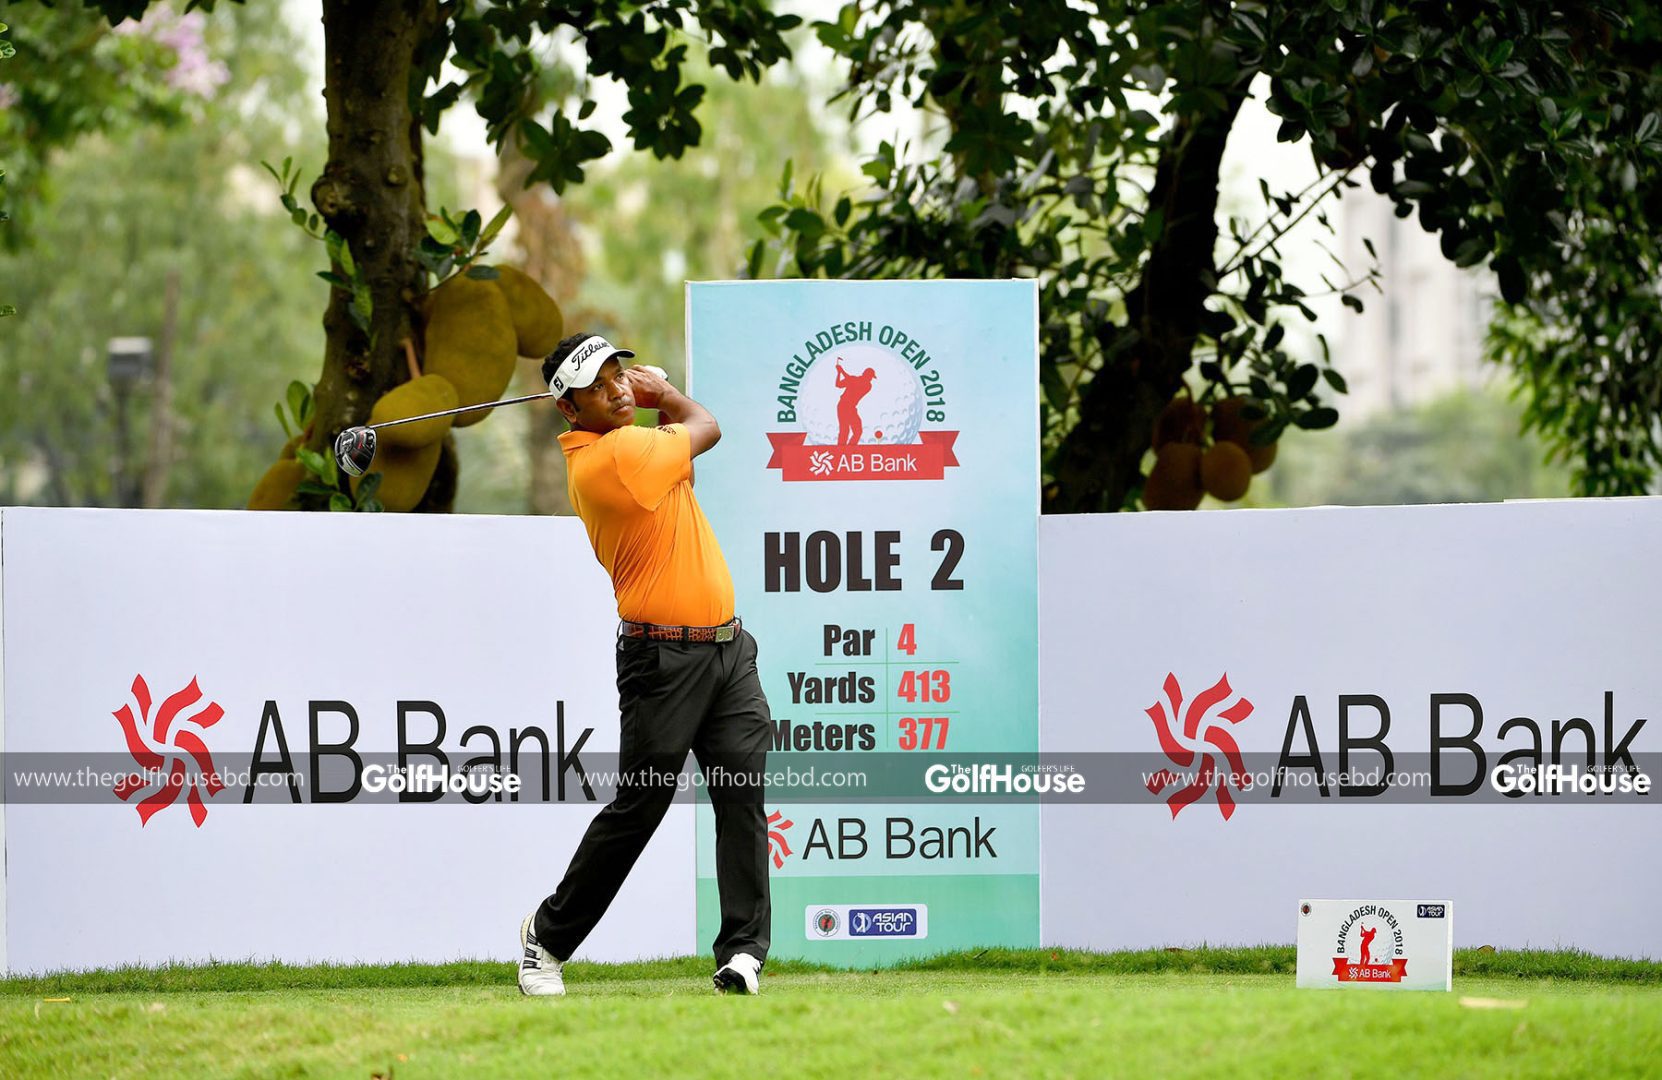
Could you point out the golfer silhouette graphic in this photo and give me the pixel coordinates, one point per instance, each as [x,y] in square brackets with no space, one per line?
[854,387]
[1367,944]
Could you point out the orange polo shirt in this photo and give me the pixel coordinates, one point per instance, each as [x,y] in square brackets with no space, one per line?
[633,489]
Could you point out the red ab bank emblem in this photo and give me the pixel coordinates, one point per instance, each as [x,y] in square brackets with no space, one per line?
[160,746]
[778,846]
[1199,723]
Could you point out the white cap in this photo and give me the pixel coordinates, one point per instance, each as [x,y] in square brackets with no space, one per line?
[583,363]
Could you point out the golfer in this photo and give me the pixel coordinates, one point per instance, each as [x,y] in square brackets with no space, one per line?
[686,669]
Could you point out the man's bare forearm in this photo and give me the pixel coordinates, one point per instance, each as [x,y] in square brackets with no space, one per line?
[678,408]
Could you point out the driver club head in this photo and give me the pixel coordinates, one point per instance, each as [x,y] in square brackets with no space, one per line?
[354,450]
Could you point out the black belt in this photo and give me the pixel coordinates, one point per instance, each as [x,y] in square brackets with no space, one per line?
[727,631]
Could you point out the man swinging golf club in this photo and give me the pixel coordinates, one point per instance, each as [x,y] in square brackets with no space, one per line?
[686,669]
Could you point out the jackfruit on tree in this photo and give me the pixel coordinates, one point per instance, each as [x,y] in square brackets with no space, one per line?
[1225,471]
[470,341]
[1180,421]
[1228,425]
[427,394]
[538,324]
[1174,482]
[276,488]
[405,475]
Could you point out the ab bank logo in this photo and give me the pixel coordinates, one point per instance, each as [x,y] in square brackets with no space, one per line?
[160,745]
[1199,726]
[866,405]
[778,846]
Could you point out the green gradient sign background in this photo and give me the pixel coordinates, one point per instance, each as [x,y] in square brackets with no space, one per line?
[971,349]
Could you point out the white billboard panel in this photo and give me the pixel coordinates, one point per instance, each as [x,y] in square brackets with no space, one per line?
[322,642]
[1330,637]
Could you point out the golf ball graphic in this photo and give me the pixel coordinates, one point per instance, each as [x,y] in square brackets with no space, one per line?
[885,406]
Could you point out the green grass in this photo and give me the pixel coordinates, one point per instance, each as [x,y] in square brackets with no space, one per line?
[994,1013]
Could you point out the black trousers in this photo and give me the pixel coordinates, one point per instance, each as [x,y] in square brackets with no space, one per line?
[676,697]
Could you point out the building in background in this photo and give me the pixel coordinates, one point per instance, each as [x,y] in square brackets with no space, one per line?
[1423,337]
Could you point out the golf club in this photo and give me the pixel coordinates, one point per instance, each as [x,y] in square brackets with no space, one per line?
[355,446]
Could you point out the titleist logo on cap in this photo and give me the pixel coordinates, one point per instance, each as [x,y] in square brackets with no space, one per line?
[579,369]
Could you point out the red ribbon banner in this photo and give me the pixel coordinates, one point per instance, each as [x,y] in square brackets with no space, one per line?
[924,460]
[1370,973]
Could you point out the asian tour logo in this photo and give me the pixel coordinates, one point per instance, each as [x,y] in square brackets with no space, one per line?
[889,922]
[862,399]
[870,922]
[1202,737]
[160,746]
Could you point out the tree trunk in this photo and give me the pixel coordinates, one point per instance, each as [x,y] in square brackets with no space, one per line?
[1099,462]
[160,462]
[370,192]
[550,254]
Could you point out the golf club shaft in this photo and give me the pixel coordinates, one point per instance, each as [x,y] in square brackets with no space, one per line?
[452,412]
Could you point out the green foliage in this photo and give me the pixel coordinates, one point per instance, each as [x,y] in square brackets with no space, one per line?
[660,223]
[454,246]
[300,407]
[1584,331]
[323,477]
[72,76]
[124,211]
[1465,447]
[506,54]
[324,481]
[1058,190]
[451,246]
[668,222]
[7,51]
[344,273]
[501,52]
[1517,132]
[6,310]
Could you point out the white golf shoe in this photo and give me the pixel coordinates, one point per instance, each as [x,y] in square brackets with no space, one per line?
[740,975]
[539,973]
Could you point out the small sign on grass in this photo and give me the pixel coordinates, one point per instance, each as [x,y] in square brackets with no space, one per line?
[1384,944]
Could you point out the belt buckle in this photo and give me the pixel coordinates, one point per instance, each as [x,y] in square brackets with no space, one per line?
[726,633]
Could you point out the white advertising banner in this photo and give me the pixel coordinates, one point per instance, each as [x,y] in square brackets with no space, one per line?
[313,664]
[1250,700]
[1333,702]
